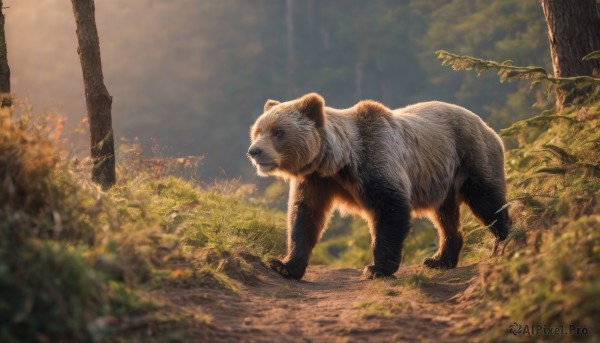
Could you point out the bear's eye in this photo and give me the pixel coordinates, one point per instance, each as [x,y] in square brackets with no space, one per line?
[278,133]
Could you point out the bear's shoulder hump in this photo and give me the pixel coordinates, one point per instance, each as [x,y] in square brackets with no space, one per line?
[371,108]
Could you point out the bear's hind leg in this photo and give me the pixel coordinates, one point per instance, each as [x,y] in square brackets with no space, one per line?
[447,221]
[487,200]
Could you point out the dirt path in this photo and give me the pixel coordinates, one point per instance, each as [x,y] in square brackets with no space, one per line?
[331,305]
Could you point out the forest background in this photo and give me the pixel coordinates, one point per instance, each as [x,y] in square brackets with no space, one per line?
[190,77]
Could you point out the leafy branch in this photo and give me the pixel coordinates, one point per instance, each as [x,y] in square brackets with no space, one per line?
[507,71]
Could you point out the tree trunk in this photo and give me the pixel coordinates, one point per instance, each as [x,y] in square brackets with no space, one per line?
[573,32]
[97,99]
[5,98]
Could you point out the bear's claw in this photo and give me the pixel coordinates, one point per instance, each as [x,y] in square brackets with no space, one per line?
[374,272]
[285,270]
[438,263]
[279,267]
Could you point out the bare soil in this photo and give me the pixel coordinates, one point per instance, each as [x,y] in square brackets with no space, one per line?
[332,305]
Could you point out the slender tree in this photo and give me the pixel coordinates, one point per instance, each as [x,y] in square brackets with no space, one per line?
[573,32]
[5,98]
[98,100]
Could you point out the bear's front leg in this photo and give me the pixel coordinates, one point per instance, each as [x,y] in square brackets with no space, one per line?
[390,223]
[309,206]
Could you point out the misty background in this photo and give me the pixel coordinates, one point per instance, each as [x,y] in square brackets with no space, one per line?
[191,76]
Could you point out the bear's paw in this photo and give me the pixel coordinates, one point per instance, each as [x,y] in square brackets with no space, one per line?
[439,263]
[375,272]
[285,270]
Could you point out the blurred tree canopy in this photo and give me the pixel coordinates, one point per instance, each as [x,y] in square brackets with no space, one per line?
[195,74]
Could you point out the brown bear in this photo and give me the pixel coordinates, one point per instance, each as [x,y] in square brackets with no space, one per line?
[384,165]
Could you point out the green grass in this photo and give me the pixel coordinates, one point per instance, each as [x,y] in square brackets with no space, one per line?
[413,281]
[369,310]
[76,263]
[549,271]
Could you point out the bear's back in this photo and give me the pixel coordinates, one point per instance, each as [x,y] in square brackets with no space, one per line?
[438,110]
[464,125]
[476,144]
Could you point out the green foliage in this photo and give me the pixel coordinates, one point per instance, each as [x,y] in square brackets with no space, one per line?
[507,71]
[37,197]
[370,309]
[504,29]
[346,243]
[412,281]
[75,261]
[49,293]
[420,243]
[548,272]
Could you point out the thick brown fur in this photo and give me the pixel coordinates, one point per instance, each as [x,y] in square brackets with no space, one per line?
[384,165]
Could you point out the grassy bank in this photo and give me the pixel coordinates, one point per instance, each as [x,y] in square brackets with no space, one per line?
[76,262]
[549,272]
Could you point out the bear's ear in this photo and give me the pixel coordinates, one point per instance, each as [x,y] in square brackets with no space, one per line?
[270,103]
[312,105]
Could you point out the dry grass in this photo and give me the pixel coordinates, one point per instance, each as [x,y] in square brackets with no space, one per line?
[74,261]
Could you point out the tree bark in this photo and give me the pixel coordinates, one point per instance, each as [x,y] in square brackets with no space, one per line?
[573,32]
[98,100]
[5,98]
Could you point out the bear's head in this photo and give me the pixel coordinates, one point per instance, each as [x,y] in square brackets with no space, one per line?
[286,138]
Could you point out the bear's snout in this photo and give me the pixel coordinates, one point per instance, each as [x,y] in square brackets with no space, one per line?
[263,156]
[254,152]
